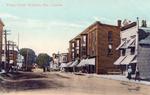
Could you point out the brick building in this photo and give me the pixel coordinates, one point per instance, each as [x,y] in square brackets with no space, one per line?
[98,43]
[1,38]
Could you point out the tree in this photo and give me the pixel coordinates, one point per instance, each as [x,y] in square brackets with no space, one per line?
[29,58]
[43,60]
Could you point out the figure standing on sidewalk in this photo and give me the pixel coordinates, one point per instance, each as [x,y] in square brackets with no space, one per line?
[137,74]
[129,72]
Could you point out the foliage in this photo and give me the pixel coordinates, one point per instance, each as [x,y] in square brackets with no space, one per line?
[29,56]
[43,60]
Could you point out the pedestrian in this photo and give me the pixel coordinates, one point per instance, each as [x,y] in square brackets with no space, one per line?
[137,74]
[129,72]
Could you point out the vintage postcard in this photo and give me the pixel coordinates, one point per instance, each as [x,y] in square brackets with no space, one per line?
[74,47]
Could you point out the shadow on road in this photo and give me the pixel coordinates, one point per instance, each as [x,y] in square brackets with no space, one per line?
[27,81]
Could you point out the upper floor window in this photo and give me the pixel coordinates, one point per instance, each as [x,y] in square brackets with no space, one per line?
[109,49]
[73,44]
[133,51]
[132,37]
[78,43]
[110,38]
[123,52]
[84,40]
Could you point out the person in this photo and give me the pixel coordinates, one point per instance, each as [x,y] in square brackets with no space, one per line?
[137,74]
[129,73]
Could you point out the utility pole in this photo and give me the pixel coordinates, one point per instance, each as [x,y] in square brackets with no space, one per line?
[13,50]
[8,50]
[5,50]
[18,40]
[6,64]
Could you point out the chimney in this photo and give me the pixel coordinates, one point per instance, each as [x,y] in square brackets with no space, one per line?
[144,24]
[119,23]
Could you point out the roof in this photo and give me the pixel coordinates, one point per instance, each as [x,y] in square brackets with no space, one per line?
[145,40]
[91,26]
[128,26]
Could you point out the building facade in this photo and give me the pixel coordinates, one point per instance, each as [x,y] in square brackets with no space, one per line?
[135,49]
[1,42]
[1,39]
[98,43]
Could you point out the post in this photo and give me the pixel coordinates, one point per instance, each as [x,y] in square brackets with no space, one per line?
[5,50]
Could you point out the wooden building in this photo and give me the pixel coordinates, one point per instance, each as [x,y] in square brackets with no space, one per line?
[135,49]
[97,42]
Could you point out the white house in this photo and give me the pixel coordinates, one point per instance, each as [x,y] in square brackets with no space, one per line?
[135,49]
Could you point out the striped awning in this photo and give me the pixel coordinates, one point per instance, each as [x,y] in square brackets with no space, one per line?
[128,59]
[119,60]
[122,45]
[90,61]
[131,43]
[75,63]
[82,63]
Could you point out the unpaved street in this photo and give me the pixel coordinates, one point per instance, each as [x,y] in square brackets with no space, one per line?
[56,83]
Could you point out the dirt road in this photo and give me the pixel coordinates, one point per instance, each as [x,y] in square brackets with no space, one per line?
[56,83]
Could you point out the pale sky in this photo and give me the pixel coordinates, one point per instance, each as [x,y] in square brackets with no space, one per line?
[48,25]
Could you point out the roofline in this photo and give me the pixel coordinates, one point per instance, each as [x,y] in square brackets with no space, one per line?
[128,26]
[92,25]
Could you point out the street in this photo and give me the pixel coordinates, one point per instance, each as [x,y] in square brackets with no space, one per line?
[57,83]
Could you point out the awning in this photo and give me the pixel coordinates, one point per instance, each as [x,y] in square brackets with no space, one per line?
[128,59]
[68,64]
[119,60]
[90,61]
[134,61]
[82,63]
[74,63]
[131,43]
[62,65]
[122,45]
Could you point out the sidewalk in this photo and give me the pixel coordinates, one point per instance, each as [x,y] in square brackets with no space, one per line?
[113,77]
[121,78]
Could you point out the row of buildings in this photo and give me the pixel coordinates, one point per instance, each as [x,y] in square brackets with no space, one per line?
[8,51]
[96,44]
[105,49]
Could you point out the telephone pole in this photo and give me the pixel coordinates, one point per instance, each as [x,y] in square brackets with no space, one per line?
[6,51]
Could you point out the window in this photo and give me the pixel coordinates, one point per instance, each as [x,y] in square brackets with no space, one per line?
[109,49]
[132,50]
[72,55]
[132,37]
[72,44]
[123,52]
[109,43]
[78,43]
[93,43]
[84,45]
[110,39]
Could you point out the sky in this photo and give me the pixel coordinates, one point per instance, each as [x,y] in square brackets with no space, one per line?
[46,26]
